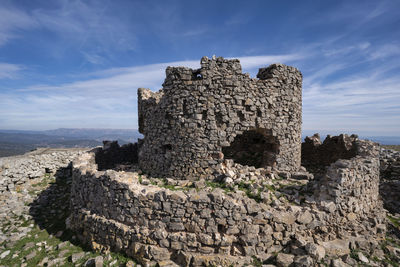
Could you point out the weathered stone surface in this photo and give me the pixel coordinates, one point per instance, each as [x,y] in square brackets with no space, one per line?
[304,217]
[315,251]
[222,111]
[284,260]
[362,258]
[303,261]
[20,169]
[336,247]
[338,263]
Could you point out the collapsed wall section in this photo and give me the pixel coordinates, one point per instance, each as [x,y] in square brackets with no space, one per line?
[347,180]
[198,113]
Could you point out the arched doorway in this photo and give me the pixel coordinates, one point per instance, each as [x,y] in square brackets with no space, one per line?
[256,147]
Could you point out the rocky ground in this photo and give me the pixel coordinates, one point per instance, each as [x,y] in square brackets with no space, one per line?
[33,232]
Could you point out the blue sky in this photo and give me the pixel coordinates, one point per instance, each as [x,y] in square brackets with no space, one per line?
[79,63]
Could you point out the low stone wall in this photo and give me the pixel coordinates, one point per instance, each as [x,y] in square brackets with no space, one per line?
[191,226]
[351,187]
[19,169]
[390,164]
[316,155]
[390,179]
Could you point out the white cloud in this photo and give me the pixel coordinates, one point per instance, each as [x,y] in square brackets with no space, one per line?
[86,25]
[365,103]
[9,71]
[107,100]
[12,21]
[385,51]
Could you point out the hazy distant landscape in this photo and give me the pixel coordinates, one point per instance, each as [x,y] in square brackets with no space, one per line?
[16,142]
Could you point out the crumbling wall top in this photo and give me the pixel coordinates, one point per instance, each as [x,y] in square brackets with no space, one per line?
[199,112]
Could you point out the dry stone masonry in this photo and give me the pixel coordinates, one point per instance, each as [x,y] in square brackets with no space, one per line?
[15,171]
[202,116]
[217,178]
[390,179]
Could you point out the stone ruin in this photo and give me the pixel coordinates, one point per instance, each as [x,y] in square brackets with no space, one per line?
[204,116]
[221,177]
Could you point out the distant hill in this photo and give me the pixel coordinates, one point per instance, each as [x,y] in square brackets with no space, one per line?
[129,135]
[16,142]
[384,140]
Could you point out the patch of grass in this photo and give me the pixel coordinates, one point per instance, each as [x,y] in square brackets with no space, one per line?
[353,254]
[246,188]
[394,221]
[218,185]
[39,236]
[390,260]
[256,262]
[48,221]
[271,188]
[171,187]
[393,242]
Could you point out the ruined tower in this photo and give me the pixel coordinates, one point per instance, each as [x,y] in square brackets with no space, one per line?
[201,117]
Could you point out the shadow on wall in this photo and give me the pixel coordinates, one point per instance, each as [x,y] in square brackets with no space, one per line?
[256,148]
[112,153]
[51,207]
[316,156]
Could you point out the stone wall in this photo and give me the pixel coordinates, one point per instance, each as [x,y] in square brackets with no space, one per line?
[316,155]
[19,169]
[350,184]
[118,211]
[202,114]
[390,179]
[112,153]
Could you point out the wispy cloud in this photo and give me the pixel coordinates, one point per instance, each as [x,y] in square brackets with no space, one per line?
[385,51]
[84,24]
[365,101]
[9,71]
[12,22]
[109,96]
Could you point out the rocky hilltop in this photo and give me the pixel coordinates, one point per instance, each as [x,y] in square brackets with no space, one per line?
[34,203]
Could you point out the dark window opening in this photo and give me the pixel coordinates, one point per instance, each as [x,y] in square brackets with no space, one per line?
[165,148]
[219,119]
[241,116]
[204,115]
[256,148]
[197,75]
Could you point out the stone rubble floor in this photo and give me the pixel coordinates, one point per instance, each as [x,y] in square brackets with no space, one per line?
[33,232]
